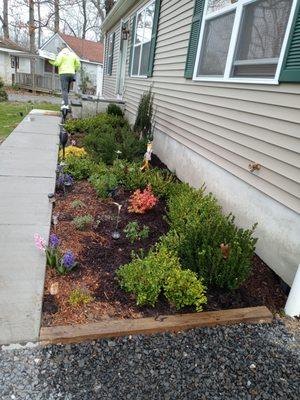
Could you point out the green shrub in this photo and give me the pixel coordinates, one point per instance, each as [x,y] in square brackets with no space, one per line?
[130,146]
[81,167]
[129,174]
[101,144]
[133,231]
[79,297]
[88,125]
[77,204]
[3,94]
[104,183]
[182,288]
[143,122]
[81,223]
[114,110]
[186,204]
[161,181]
[144,277]
[148,277]
[200,230]
[201,250]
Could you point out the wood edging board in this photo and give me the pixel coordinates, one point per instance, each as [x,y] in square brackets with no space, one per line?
[147,326]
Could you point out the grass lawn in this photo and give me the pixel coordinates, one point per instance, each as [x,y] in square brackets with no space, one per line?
[10,115]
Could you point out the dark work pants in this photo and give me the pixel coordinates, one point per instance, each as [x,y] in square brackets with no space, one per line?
[66,80]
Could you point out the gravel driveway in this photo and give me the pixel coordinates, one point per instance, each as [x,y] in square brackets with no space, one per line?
[236,363]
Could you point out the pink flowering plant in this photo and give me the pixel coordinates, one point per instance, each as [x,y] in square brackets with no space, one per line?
[62,263]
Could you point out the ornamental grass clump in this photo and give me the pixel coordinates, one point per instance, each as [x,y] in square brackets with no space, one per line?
[142,201]
[63,263]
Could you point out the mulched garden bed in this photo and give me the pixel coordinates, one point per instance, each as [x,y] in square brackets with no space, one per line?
[100,255]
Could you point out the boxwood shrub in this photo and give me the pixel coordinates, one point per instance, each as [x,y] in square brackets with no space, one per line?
[207,241]
[159,273]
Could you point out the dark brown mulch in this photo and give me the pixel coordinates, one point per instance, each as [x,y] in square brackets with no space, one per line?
[100,255]
[262,288]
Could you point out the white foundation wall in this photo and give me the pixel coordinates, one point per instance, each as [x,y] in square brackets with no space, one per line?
[278,229]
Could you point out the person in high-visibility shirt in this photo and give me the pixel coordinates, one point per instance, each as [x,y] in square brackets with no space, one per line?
[68,64]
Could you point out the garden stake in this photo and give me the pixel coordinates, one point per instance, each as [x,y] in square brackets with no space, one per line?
[63,138]
[55,221]
[147,157]
[116,235]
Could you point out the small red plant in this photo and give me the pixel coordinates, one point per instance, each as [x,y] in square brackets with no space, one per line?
[142,201]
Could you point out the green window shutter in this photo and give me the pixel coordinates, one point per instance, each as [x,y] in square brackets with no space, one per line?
[132,34]
[106,54]
[194,38]
[111,59]
[153,38]
[290,71]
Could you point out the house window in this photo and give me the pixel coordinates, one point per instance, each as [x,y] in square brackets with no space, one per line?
[48,67]
[242,39]
[110,53]
[14,62]
[142,40]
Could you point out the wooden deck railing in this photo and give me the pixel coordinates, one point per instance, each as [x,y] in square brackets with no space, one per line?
[42,83]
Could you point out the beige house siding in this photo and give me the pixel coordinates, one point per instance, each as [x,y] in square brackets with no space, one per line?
[229,124]
[110,81]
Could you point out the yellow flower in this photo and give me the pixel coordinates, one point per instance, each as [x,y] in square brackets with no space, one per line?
[73,151]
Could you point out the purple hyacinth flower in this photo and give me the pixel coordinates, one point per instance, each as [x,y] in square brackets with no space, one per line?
[68,180]
[60,180]
[59,168]
[69,260]
[54,241]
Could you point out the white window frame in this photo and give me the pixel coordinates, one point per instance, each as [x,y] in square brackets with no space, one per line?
[238,6]
[112,55]
[139,11]
[123,21]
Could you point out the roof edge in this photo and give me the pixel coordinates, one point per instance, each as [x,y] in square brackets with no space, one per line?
[116,13]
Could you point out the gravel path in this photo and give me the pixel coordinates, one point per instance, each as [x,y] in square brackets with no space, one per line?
[26,97]
[236,363]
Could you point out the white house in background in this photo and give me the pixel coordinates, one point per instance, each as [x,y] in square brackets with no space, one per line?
[12,58]
[90,54]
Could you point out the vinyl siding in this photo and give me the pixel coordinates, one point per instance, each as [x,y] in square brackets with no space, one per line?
[230,124]
[110,81]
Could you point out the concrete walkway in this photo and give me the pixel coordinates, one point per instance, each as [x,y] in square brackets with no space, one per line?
[28,160]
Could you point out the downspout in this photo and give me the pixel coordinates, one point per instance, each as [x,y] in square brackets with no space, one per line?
[292,307]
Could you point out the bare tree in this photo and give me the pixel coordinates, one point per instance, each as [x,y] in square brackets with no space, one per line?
[56,15]
[100,7]
[4,19]
[83,19]
[31,26]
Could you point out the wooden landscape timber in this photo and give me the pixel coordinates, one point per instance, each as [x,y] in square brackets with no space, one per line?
[147,326]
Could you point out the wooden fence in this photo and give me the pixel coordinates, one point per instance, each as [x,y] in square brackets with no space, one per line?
[39,83]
